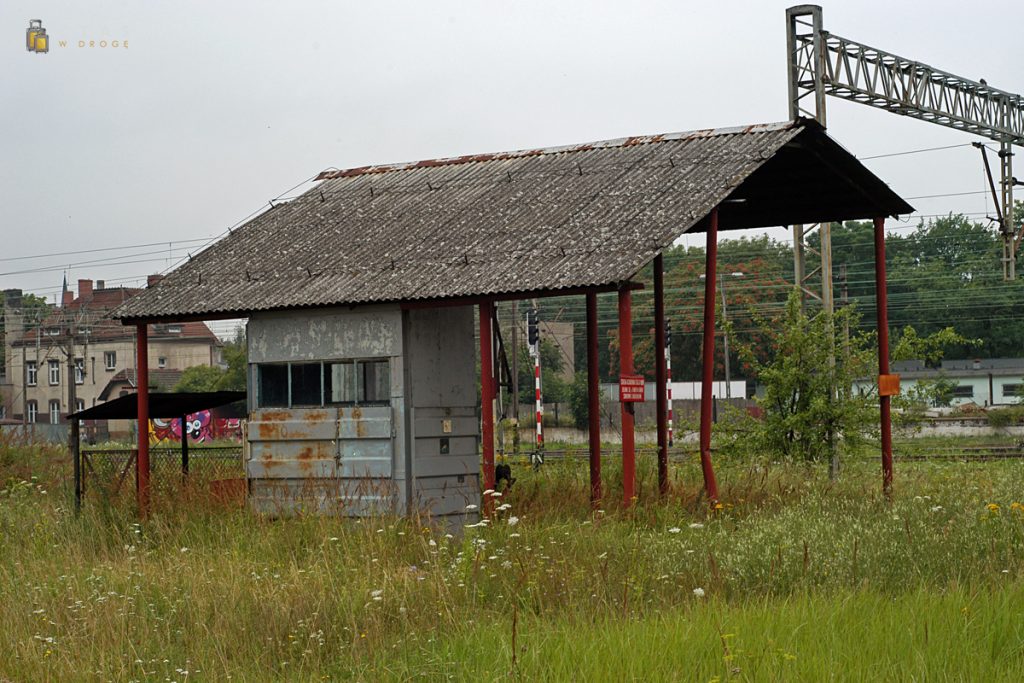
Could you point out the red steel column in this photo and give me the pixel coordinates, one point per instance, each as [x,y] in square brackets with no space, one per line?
[487,401]
[626,368]
[881,298]
[593,401]
[142,414]
[660,373]
[710,278]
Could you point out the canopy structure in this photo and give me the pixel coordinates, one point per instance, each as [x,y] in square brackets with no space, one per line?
[578,219]
[160,405]
[164,405]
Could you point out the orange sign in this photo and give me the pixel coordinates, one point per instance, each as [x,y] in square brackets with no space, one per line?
[888,385]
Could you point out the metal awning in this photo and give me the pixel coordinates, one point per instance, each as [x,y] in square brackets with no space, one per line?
[164,405]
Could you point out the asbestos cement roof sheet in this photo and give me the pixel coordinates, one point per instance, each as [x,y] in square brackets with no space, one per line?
[543,220]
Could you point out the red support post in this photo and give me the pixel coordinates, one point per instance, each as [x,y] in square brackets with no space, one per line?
[707,379]
[487,401]
[142,415]
[881,298]
[660,373]
[626,368]
[593,401]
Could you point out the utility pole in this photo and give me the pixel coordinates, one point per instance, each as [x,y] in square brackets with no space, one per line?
[725,337]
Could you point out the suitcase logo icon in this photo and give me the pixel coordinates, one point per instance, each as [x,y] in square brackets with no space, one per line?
[36,39]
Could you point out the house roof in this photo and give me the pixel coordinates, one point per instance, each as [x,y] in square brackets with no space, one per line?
[165,378]
[90,317]
[542,220]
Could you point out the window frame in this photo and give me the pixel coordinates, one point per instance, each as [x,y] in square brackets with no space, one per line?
[358,381]
[32,411]
[32,373]
[79,371]
[110,360]
[54,404]
[963,391]
[53,372]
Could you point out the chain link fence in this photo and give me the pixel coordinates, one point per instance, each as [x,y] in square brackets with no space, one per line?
[110,472]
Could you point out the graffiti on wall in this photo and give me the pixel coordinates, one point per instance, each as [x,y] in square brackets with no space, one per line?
[201,427]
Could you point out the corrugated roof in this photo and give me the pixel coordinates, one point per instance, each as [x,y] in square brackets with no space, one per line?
[536,220]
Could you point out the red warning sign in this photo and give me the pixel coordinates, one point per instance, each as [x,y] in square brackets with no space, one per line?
[631,389]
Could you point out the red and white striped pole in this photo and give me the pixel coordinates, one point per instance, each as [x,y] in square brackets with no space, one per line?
[539,399]
[668,387]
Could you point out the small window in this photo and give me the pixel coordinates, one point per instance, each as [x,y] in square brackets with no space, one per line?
[306,384]
[79,405]
[79,371]
[174,329]
[273,386]
[54,369]
[376,382]
[161,362]
[110,360]
[963,391]
[55,412]
[1013,389]
[33,412]
[340,383]
[52,331]
[31,373]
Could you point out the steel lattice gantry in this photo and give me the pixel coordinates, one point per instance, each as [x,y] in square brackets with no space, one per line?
[821,63]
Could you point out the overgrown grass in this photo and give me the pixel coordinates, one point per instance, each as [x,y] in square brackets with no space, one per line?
[796,578]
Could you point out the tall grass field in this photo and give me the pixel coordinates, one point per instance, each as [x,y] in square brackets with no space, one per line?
[795,578]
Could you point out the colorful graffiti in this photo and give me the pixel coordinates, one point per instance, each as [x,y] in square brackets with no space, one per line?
[200,427]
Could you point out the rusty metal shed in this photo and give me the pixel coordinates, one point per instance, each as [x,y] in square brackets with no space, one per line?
[388,261]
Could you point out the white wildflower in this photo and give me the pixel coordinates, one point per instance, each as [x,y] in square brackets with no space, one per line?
[513,520]
[699,592]
[674,530]
[472,507]
[696,525]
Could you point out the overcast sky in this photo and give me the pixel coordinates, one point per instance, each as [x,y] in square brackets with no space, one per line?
[215,107]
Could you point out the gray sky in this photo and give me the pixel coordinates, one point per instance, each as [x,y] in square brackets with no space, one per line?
[216,107]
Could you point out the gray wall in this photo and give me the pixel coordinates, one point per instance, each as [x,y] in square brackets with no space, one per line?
[420,453]
[442,370]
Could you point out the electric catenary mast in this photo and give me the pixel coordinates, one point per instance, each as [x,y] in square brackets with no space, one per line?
[821,63]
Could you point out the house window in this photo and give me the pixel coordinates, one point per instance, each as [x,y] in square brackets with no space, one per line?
[55,412]
[174,329]
[1013,389]
[110,360]
[33,411]
[79,371]
[53,332]
[79,405]
[54,369]
[963,391]
[350,382]
[161,362]
[31,373]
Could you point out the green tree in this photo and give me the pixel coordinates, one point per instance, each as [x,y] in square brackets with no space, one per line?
[551,364]
[214,378]
[800,416]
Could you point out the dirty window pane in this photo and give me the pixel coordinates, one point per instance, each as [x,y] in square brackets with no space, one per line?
[273,386]
[339,383]
[376,382]
[305,384]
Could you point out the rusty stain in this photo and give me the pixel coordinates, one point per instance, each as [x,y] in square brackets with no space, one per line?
[306,453]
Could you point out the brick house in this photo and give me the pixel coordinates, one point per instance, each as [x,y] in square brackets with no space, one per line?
[37,367]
